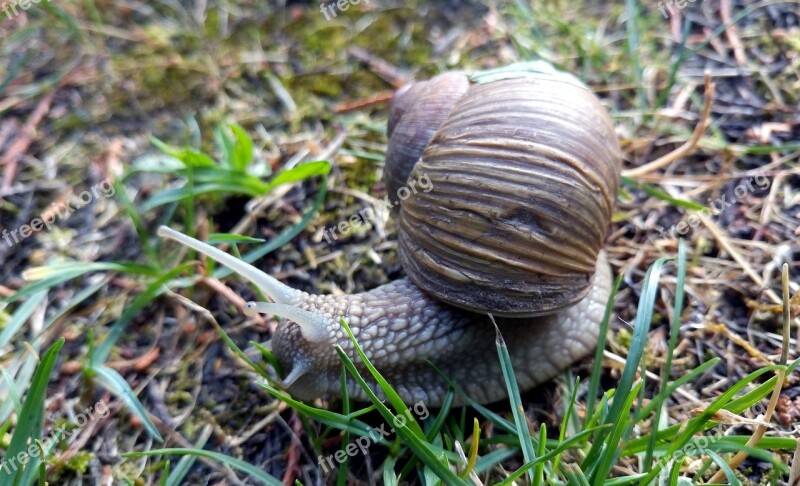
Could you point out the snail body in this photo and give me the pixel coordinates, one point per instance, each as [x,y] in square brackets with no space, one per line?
[524,166]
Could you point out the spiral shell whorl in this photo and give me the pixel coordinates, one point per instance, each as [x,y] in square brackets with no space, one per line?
[524,174]
[415,115]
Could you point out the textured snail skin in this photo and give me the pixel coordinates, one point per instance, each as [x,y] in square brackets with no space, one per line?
[402,330]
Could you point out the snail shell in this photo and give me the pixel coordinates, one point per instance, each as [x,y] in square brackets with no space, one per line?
[524,172]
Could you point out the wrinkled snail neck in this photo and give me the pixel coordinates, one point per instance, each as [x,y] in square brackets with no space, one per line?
[313,326]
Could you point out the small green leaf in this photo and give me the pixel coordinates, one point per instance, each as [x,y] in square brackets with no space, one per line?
[225,144]
[187,155]
[217,238]
[659,194]
[117,385]
[301,172]
[243,149]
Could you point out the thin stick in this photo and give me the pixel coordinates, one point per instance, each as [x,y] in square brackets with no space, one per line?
[687,148]
[737,257]
[776,392]
[794,477]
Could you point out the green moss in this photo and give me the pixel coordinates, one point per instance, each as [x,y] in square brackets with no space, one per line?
[78,463]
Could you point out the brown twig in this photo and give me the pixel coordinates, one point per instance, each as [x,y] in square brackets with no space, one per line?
[6,292]
[687,148]
[219,287]
[376,99]
[20,145]
[731,32]
[293,453]
[383,69]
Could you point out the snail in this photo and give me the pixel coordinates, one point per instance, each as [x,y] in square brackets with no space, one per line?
[524,166]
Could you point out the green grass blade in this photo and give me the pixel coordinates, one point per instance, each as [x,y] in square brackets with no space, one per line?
[152,291]
[597,366]
[689,429]
[387,389]
[660,398]
[138,224]
[49,271]
[687,378]
[23,377]
[217,238]
[571,443]
[618,411]
[613,440]
[232,185]
[326,417]
[175,476]
[300,173]
[21,316]
[187,155]
[520,420]
[538,470]
[624,480]
[117,385]
[668,435]
[421,448]
[13,393]
[341,479]
[249,469]
[723,464]
[30,422]
[64,17]
[52,275]
[575,475]
[663,196]
[242,149]
[225,144]
[562,432]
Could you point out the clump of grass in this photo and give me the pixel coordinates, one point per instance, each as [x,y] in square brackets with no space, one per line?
[199,175]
